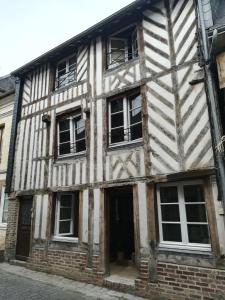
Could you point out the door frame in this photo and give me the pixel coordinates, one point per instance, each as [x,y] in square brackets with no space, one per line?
[20,199]
[106,231]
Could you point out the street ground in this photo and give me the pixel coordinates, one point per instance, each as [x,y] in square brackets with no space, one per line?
[19,283]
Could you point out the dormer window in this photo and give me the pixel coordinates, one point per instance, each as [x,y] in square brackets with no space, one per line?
[122,47]
[66,71]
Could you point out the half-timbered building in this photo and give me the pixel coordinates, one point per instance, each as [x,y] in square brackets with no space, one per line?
[113,178]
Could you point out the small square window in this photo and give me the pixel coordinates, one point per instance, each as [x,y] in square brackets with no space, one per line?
[182,214]
[122,47]
[71,134]
[125,118]
[67,215]
[66,71]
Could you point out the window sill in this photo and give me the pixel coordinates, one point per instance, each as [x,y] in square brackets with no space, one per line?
[191,248]
[122,65]
[127,145]
[65,239]
[70,156]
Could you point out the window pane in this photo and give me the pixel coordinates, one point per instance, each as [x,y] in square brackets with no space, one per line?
[116,105]
[117,57]
[171,232]
[66,200]
[80,146]
[168,194]
[64,227]
[64,148]
[118,44]
[196,213]
[135,101]
[117,120]
[117,135]
[64,137]
[64,125]
[198,234]
[194,193]
[136,131]
[80,125]
[170,213]
[62,68]
[135,115]
[65,213]
[72,62]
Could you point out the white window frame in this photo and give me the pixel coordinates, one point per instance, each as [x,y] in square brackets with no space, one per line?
[183,220]
[2,203]
[115,64]
[71,119]
[126,118]
[64,237]
[66,60]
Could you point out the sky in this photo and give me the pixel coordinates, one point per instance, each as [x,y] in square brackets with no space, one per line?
[29,28]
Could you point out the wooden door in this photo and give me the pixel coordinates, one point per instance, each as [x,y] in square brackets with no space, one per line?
[24,229]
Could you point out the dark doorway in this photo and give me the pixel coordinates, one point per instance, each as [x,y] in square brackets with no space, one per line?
[24,228]
[121,226]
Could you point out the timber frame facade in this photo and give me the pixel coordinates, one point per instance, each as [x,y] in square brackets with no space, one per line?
[111,130]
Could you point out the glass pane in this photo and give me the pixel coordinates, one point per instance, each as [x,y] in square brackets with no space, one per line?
[118,44]
[66,200]
[64,125]
[196,213]
[116,105]
[80,146]
[198,234]
[117,56]
[172,232]
[64,148]
[117,120]
[62,68]
[64,137]
[65,213]
[135,115]
[135,101]
[194,193]
[64,227]
[72,62]
[136,131]
[80,125]
[168,194]
[170,213]
[117,135]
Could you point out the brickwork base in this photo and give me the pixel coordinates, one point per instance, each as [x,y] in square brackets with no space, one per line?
[173,282]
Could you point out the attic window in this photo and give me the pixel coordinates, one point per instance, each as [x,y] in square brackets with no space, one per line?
[66,71]
[122,47]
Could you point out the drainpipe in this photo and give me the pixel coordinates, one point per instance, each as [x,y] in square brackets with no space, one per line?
[213,103]
[15,120]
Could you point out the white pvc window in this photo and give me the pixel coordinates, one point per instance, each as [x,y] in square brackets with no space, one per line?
[183,221]
[71,135]
[67,215]
[125,119]
[3,207]
[66,71]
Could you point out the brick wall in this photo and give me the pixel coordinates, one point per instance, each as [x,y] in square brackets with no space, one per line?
[172,282]
[11,232]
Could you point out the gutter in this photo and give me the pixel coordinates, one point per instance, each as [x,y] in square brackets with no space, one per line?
[212,102]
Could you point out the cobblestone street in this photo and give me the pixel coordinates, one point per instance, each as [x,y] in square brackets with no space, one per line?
[19,283]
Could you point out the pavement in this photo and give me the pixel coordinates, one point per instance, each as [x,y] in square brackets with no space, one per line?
[19,283]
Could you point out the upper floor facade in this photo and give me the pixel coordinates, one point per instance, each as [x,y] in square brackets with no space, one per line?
[124,100]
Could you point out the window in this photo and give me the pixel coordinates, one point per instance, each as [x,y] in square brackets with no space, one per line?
[71,134]
[1,140]
[182,215]
[125,118]
[66,71]
[3,206]
[67,215]
[122,47]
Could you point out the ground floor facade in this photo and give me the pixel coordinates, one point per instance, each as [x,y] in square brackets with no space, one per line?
[3,211]
[152,237]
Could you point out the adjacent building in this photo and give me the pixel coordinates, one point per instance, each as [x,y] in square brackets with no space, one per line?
[114,171]
[6,111]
